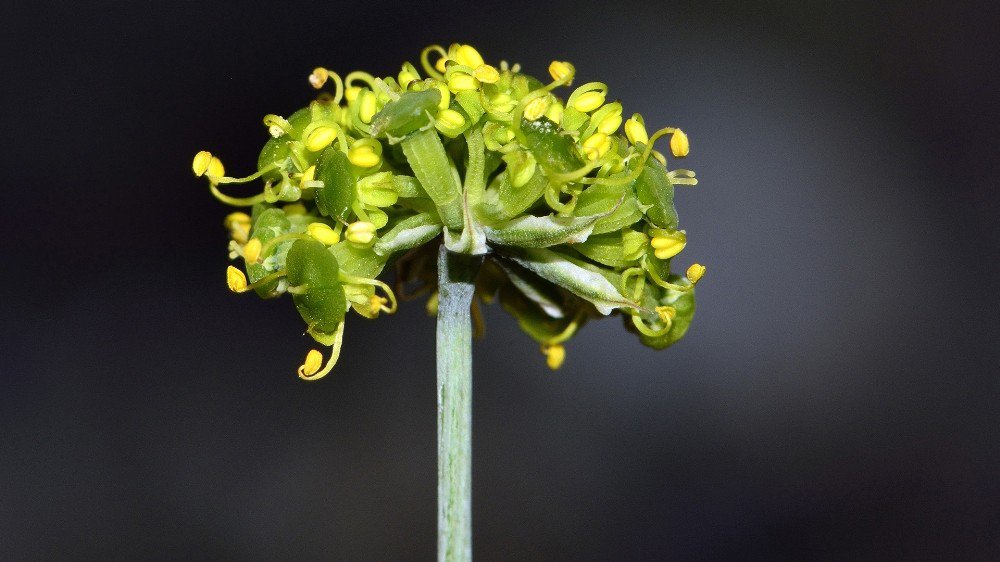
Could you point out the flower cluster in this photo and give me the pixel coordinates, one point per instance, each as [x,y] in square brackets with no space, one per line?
[577,219]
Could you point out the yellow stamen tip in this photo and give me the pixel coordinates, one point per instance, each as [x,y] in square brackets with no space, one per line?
[635,130]
[312,364]
[560,70]
[589,101]
[679,145]
[596,145]
[486,74]
[237,219]
[251,250]
[319,77]
[460,82]
[368,108]
[363,156]
[360,232]
[555,355]
[467,55]
[201,162]
[537,107]
[695,272]
[322,233]
[308,176]
[668,244]
[666,313]
[236,280]
[320,138]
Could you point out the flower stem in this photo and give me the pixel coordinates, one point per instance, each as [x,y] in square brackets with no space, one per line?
[456,284]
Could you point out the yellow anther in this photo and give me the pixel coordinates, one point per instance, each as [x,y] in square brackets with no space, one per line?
[369,106]
[251,250]
[679,144]
[537,107]
[555,355]
[236,280]
[351,93]
[322,233]
[666,313]
[555,112]
[295,209]
[445,95]
[610,123]
[320,138]
[450,119]
[562,69]
[520,175]
[319,77]
[407,74]
[308,176]
[215,168]
[589,101]
[440,66]
[635,130]
[364,156]
[314,360]
[201,162]
[377,304]
[460,82]
[467,55]
[486,74]
[237,219]
[596,145]
[695,272]
[668,244]
[432,305]
[360,232]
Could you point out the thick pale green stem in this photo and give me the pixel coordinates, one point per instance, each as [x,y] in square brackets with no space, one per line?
[456,276]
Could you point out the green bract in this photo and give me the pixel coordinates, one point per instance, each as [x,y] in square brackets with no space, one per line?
[572,206]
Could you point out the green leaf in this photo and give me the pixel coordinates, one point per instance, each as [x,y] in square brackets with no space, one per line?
[268,223]
[407,114]
[408,233]
[540,232]
[334,199]
[432,167]
[311,266]
[503,201]
[560,269]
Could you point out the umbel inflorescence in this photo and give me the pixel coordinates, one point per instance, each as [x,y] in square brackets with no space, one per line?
[576,219]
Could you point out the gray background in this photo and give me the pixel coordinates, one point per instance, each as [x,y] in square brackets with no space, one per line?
[835,397]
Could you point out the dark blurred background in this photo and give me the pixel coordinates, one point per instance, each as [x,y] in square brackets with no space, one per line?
[836,397]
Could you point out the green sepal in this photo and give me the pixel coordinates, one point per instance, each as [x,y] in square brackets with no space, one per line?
[432,167]
[407,114]
[529,231]
[553,150]
[334,199]
[469,101]
[654,188]
[378,190]
[606,249]
[268,223]
[503,201]
[320,299]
